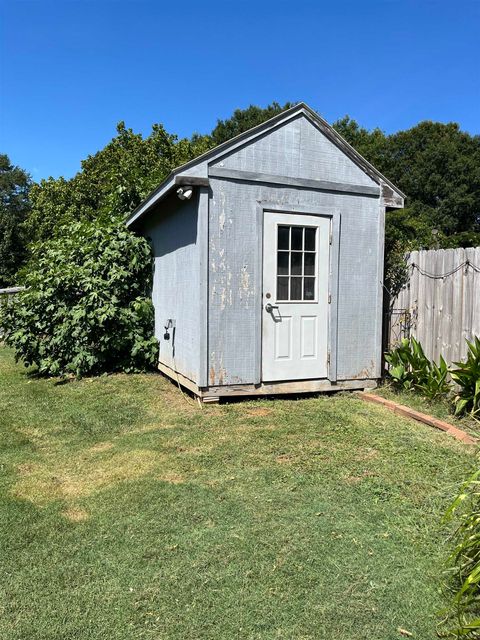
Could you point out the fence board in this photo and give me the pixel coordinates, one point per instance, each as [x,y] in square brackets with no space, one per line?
[476,296]
[443,307]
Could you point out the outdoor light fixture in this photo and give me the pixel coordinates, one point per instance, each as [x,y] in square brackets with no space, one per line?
[184,193]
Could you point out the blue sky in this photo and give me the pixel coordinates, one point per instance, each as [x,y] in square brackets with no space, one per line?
[71,69]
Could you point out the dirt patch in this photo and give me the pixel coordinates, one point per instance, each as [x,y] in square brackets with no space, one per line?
[172,478]
[285,458]
[259,412]
[356,479]
[74,514]
[26,468]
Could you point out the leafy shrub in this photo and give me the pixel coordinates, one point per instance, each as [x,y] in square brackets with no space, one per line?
[467,377]
[410,369]
[463,616]
[86,308]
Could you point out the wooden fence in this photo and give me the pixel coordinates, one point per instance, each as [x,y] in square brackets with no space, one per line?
[440,305]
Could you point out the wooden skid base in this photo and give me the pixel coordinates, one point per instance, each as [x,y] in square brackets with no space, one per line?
[210,399]
[213,394]
[289,387]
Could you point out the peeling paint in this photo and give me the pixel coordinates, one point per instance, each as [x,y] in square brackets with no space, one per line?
[245,279]
[223,297]
[222,217]
[217,372]
[246,289]
[365,373]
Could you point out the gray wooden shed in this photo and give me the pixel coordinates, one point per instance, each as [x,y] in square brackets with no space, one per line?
[269,262]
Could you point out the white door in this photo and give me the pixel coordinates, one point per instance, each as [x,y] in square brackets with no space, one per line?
[295,296]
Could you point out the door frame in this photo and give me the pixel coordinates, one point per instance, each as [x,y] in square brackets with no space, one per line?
[335,217]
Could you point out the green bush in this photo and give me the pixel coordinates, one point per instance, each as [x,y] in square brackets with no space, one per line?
[86,308]
[462,618]
[467,377]
[410,369]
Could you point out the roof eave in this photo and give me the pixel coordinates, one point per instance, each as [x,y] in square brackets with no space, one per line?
[169,184]
[164,188]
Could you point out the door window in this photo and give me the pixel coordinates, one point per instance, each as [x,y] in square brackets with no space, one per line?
[296,263]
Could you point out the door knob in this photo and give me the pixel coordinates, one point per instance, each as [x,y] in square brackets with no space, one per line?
[270,307]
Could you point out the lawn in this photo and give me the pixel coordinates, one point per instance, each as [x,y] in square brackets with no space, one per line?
[441,407]
[129,513]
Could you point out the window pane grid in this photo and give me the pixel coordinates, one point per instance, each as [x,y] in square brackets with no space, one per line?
[296,263]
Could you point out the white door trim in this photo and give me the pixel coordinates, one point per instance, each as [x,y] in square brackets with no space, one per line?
[295,330]
[320,210]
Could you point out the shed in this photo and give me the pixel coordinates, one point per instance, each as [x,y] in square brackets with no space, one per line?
[268,262]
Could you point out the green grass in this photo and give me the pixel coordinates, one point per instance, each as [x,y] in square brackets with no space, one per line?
[127,513]
[439,408]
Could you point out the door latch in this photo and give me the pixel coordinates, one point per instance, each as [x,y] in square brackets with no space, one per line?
[270,307]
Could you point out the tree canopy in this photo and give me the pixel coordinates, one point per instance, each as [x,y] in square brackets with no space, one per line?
[438,167]
[244,119]
[110,183]
[14,207]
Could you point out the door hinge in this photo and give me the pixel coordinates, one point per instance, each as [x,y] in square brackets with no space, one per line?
[330,235]
[329,298]
[328,358]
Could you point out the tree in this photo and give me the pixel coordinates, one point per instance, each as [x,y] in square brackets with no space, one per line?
[244,119]
[111,182]
[438,167]
[14,206]
[372,145]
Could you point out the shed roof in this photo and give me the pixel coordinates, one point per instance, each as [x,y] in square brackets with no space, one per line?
[176,178]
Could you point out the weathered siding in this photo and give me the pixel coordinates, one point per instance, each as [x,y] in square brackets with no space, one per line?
[208,255]
[174,232]
[235,265]
[297,149]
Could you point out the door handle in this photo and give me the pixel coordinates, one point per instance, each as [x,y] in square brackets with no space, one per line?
[270,307]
